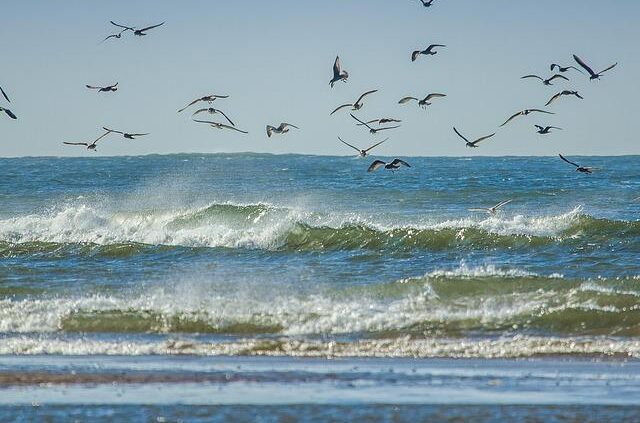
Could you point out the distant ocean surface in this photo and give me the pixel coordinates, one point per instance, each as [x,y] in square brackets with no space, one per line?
[289,255]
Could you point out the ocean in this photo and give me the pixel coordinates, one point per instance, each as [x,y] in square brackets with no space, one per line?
[311,257]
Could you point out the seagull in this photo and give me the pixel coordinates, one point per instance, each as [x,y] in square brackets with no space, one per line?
[338,73]
[281,129]
[492,210]
[213,111]
[5,95]
[546,129]
[424,102]
[372,130]
[118,35]
[473,144]
[381,121]
[141,32]
[8,112]
[525,112]
[91,146]
[220,125]
[125,134]
[106,89]
[578,167]
[561,93]
[592,74]
[364,152]
[427,3]
[546,81]
[429,51]
[563,69]
[355,106]
[208,98]
[393,166]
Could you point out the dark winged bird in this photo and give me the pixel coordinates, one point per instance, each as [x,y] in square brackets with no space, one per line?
[562,93]
[374,130]
[218,125]
[90,146]
[213,111]
[118,35]
[127,135]
[141,32]
[354,106]
[106,89]
[548,80]
[545,129]
[283,128]
[525,112]
[427,3]
[474,143]
[8,112]
[5,95]
[492,210]
[208,98]
[362,152]
[578,167]
[392,166]
[429,51]
[338,73]
[124,27]
[424,102]
[380,121]
[592,75]
[563,69]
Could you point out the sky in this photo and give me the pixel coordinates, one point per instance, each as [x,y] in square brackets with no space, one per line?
[274,59]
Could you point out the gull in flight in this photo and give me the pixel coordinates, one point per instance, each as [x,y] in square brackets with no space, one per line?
[563,69]
[90,146]
[381,121]
[579,168]
[429,51]
[548,80]
[525,112]
[427,3]
[106,89]
[213,111]
[392,166]
[492,210]
[338,73]
[373,130]
[560,94]
[141,32]
[218,125]
[283,128]
[362,152]
[8,112]
[5,95]
[593,75]
[546,129]
[354,106]
[208,98]
[424,102]
[474,143]
[127,135]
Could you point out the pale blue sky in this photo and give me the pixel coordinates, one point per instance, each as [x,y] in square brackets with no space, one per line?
[274,58]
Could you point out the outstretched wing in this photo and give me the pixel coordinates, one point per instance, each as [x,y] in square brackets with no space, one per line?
[364,123]
[111,130]
[226,117]
[122,26]
[341,107]
[570,162]
[270,130]
[532,76]
[609,68]
[460,135]
[193,102]
[500,204]
[363,95]
[515,115]
[541,111]
[482,138]
[150,27]
[434,95]
[554,98]
[4,95]
[388,127]
[584,65]
[91,87]
[101,137]
[407,99]
[377,164]
[557,76]
[399,161]
[222,125]
[9,113]
[346,143]
[285,124]
[75,143]
[336,67]
[375,145]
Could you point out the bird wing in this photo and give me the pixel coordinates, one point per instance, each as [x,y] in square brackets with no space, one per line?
[532,76]
[193,102]
[563,158]
[406,99]
[388,127]
[515,115]
[150,27]
[364,123]
[9,113]
[226,117]
[539,127]
[206,109]
[573,67]
[111,130]
[363,95]
[555,127]
[210,122]
[399,161]
[100,137]
[482,138]
[460,135]
[387,120]
[375,145]
[4,95]
[500,204]
[139,135]
[609,68]
[415,55]
[122,26]
[434,95]
[354,147]
[435,45]
[554,98]
[222,125]
[285,124]
[75,143]
[341,107]
[375,165]
[336,67]
[584,65]
[541,111]
[553,66]
[270,130]
[91,87]
[557,76]
[112,86]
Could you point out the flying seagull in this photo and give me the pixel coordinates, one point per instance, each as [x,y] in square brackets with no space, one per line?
[429,51]
[563,69]
[381,121]
[546,129]
[218,125]
[141,32]
[372,130]
[473,144]
[283,128]
[125,134]
[208,98]
[427,3]
[213,111]
[561,93]
[90,146]
[338,73]
[354,106]
[548,80]
[424,102]
[592,74]
[362,152]
[5,95]
[578,167]
[106,89]
[118,35]
[8,112]
[525,112]
[393,166]
[491,210]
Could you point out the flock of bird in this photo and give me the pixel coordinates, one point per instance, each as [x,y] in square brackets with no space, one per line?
[373,126]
